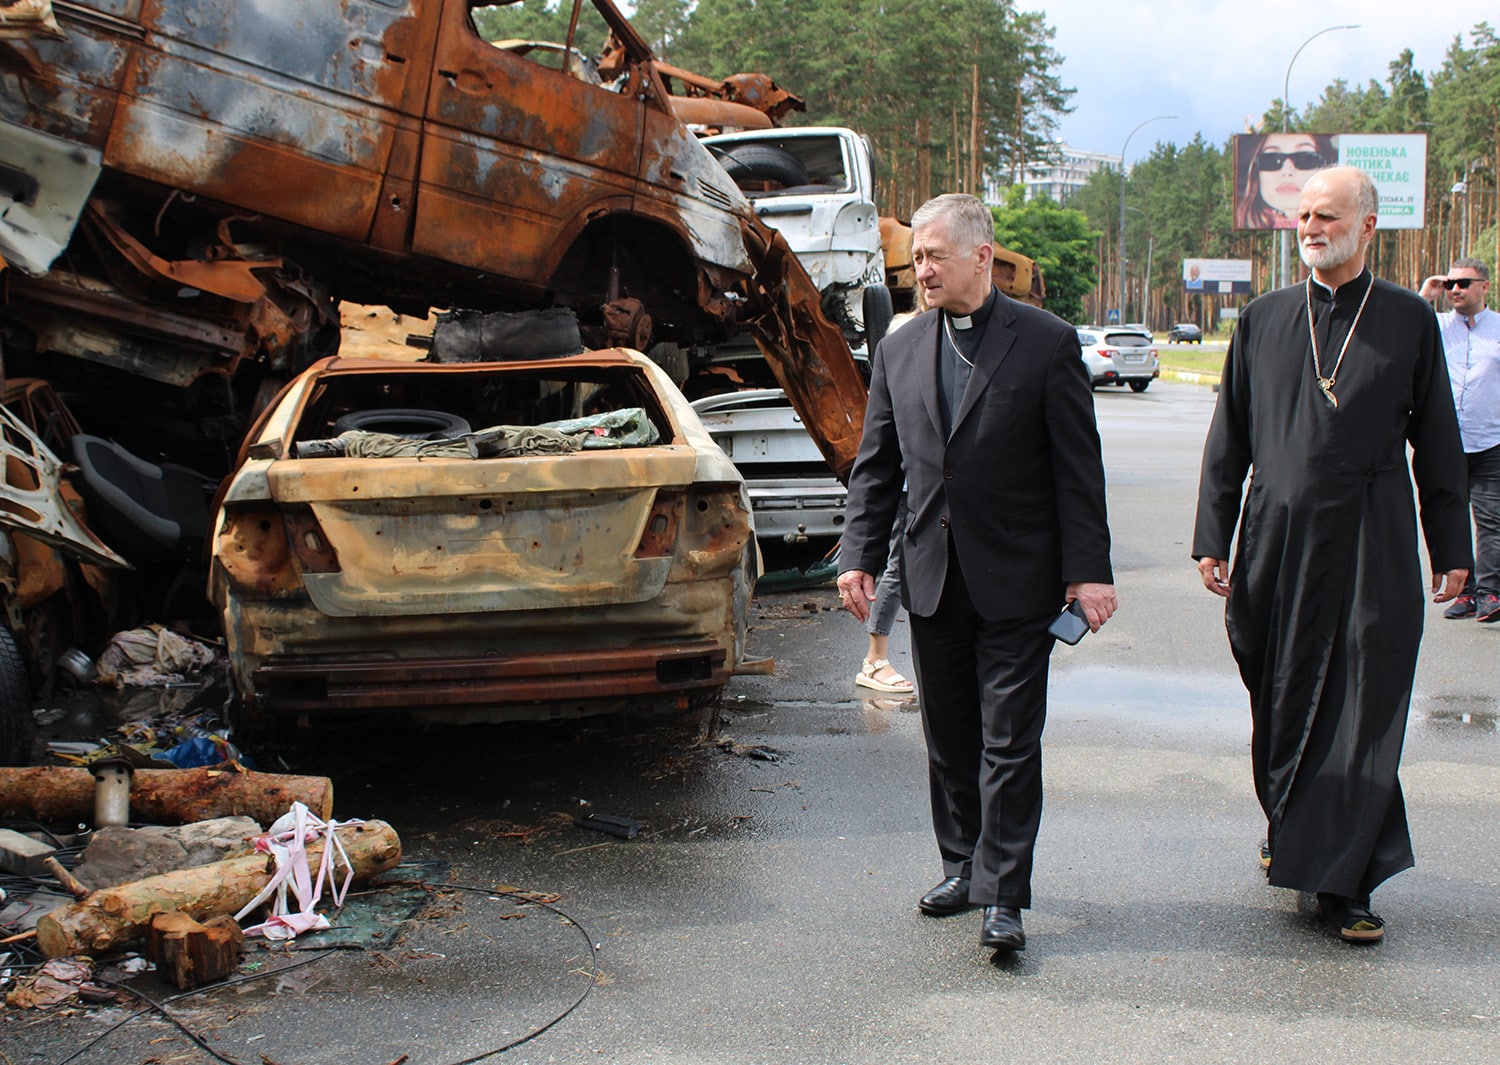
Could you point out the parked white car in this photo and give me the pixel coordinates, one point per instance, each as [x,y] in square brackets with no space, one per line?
[793,493]
[1119,356]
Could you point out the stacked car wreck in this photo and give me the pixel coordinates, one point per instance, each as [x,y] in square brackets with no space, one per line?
[193,186]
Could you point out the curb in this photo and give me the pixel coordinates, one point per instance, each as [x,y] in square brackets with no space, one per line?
[1192,377]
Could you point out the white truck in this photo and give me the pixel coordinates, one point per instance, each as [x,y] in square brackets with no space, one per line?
[816,184]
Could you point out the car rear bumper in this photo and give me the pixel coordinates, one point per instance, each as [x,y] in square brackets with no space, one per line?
[503,687]
[792,510]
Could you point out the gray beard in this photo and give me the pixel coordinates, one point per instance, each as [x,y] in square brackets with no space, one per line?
[1339,251]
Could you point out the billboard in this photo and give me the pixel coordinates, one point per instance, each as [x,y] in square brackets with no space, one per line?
[1216,277]
[1271,168]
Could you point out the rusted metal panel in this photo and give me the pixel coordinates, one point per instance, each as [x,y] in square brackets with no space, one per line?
[28,18]
[284,106]
[512,147]
[493,680]
[795,337]
[31,501]
[704,112]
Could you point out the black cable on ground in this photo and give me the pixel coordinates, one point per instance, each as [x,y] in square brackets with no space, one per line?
[521,897]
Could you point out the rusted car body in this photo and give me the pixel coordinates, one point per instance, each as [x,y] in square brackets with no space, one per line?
[215,176]
[458,588]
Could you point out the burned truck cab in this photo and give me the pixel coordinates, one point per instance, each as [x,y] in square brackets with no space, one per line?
[198,183]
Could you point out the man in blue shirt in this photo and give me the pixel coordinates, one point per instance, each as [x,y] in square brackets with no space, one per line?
[1471,342]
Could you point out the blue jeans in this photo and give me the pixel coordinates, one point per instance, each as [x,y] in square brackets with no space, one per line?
[888,588]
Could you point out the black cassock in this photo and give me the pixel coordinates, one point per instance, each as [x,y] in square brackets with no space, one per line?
[1327,591]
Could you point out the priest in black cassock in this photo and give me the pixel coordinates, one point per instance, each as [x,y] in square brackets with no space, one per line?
[1324,386]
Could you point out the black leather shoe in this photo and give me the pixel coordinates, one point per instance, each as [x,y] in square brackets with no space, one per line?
[1002,929]
[951,896]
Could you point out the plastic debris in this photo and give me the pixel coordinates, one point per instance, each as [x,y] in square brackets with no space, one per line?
[287,843]
[620,827]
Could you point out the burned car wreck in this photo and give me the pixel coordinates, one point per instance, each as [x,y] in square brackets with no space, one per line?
[192,188]
[568,539]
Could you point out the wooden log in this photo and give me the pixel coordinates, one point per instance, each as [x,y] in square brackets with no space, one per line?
[162,796]
[112,917]
[192,954]
[65,878]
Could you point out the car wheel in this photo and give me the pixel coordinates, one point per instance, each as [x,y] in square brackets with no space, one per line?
[878,312]
[756,163]
[405,421]
[1139,386]
[16,723]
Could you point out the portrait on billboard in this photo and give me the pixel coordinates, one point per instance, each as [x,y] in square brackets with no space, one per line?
[1270,170]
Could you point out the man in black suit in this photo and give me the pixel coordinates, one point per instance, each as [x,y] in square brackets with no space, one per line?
[983,406]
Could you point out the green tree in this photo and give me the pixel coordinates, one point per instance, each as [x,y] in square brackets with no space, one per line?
[542,20]
[1061,242]
[918,78]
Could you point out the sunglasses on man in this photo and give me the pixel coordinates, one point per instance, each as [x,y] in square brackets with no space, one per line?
[1461,282]
[1300,160]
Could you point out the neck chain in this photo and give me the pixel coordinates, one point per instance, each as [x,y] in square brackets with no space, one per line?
[1326,383]
[948,325]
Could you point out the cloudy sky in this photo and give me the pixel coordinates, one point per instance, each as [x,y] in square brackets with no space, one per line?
[1213,62]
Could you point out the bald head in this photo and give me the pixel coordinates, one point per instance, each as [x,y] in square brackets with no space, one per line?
[1348,181]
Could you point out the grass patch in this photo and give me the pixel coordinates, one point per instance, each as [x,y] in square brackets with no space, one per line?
[1196,359]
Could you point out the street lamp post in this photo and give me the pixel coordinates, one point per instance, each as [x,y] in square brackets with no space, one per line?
[1132,133]
[1286,88]
[1146,277]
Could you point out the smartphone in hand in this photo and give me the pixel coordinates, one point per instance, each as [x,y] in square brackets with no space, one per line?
[1070,626]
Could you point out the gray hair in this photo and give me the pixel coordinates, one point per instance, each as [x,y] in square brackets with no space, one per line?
[1366,195]
[967,220]
[1479,266]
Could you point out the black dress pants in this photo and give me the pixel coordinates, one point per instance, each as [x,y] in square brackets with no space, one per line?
[983,691]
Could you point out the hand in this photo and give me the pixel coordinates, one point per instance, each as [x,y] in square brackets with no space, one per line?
[1098,601]
[1446,586]
[1215,574]
[1432,288]
[857,592]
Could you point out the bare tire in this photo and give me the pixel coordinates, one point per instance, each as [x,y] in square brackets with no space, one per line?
[1139,386]
[16,723]
[753,163]
[878,312]
[405,421]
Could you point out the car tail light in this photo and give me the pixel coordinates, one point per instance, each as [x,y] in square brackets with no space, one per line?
[255,552]
[314,553]
[660,534]
[1109,353]
[715,525]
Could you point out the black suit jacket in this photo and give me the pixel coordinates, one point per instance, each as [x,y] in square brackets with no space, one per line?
[1018,485]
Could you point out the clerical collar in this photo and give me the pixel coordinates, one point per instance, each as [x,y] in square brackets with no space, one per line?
[977,318]
[1352,286]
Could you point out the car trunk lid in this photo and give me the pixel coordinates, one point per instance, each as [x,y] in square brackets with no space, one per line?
[409,535]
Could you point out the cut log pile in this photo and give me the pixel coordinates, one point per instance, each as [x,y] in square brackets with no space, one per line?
[114,917]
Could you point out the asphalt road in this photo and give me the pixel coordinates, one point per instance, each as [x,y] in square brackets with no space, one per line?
[765,912]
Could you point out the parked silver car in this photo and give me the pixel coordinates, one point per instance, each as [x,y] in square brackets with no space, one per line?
[1119,357]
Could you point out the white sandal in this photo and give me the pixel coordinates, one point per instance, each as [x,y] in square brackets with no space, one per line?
[866,678]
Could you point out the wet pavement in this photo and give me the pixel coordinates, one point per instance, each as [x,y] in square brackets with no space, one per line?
[765,911]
